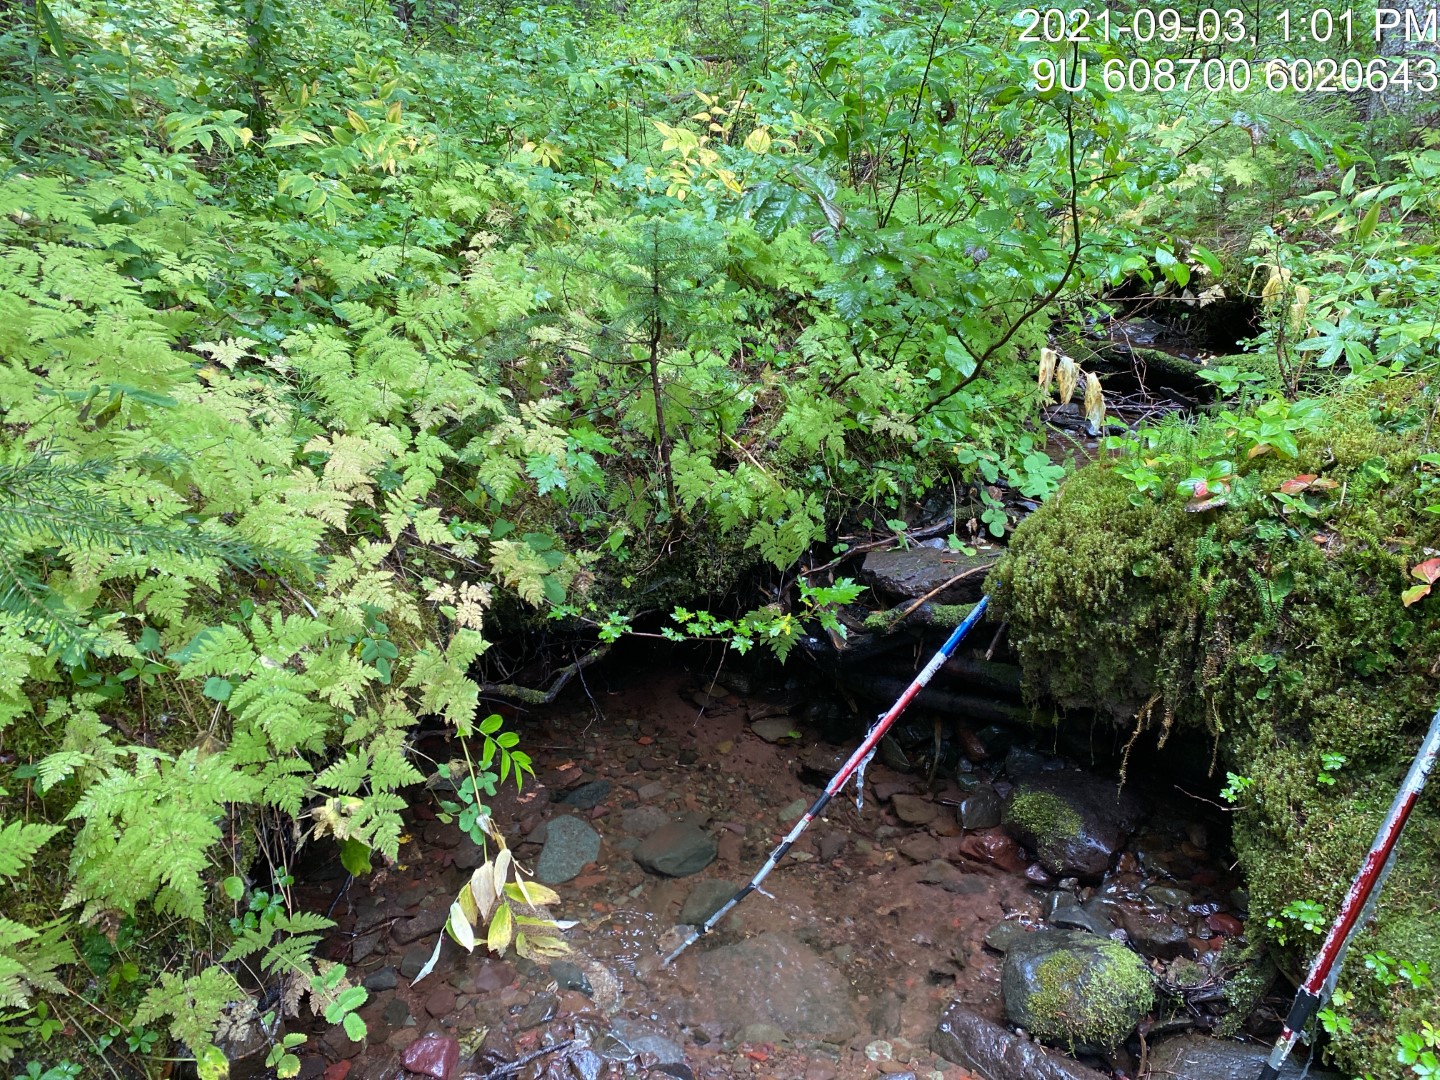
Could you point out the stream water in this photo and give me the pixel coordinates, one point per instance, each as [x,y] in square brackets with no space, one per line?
[877,920]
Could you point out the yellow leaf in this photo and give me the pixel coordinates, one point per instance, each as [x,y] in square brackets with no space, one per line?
[758,141]
[245,136]
[1258,449]
[465,900]
[502,928]
[357,121]
[535,894]
[502,867]
[460,928]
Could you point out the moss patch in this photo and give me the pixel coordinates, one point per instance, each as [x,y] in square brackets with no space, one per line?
[1280,634]
[1047,816]
[1085,1001]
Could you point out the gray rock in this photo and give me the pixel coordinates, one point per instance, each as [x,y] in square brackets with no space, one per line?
[792,811]
[384,979]
[640,1038]
[913,810]
[643,820]
[951,878]
[397,1013]
[588,796]
[774,728]
[1150,928]
[1072,916]
[1075,989]
[676,850]
[1194,1057]
[773,979]
[1074,822]
[569,844]
[916,571]
[568,976]
[981,809]
[429,921]
[705,899]
[586,1064]
[363,946]
[1004,934]
[988,1050]
[415,958]
[758,1034]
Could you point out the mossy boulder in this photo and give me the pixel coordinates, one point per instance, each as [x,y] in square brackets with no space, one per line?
[1075,822]
[1276,631]
[1076,990]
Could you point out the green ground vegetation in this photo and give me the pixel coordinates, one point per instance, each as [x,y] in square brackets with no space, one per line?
[339,342]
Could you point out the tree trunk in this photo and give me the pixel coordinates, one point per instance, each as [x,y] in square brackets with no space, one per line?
[1406,29]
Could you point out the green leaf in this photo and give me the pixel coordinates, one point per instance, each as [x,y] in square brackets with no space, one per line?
[1368,223]
[355,856]
[234,887]
[217,689]
[54,34]
[354,1027]
[958,357]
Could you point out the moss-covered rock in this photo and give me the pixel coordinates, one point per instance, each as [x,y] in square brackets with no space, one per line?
[1076,990]
[1277,630]
[1075,822]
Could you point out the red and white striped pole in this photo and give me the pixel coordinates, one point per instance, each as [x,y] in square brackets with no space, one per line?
[1320,982]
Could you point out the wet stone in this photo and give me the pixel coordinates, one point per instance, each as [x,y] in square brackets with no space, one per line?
[706,899]
[588,796]
[568,976]
[1075,989]
[773,979]
[914,810]
[540,1009]
[1070,915]
[1074,821]
[981,809]
[432,1055]
[951,878]
[1004,934]
[921,847]
[569,845]
[676,850]
[991,1051]
[644,1039]
[1194,1057]
[586,1064]
[364,946]
[1151,929]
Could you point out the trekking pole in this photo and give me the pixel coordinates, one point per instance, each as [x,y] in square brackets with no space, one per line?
[857,762]
[1320,982]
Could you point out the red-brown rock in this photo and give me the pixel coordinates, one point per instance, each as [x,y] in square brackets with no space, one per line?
[432,1055]
[1228,925]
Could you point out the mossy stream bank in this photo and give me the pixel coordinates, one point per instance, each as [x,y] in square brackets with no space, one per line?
[1277,632]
